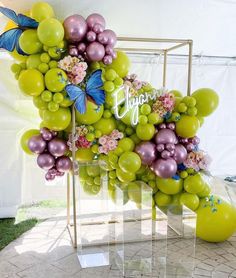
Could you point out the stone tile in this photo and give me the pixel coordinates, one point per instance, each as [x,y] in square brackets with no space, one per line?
[69,264]
[233,274]
[203,272]
[224,268]
[205,266]
[219,274]
[7,269]
[24,261]
[43,271]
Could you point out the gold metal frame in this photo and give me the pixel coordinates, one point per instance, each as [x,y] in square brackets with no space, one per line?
[176,44]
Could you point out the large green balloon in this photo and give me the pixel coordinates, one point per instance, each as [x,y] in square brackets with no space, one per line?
[121,64]
[187,126]
[92,115]
[29,42]
[129,162]
[25,139]
[55,80]
[58,120]
[169,186]
[207,101]
[84,155]
[106,126]
[194,184]
[216,220]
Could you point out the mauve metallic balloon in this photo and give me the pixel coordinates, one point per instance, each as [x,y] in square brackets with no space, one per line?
[184,140]
[165,136]
[170,147]
[165,154]
[171,126]
[37,144]
[91,36]
[102,38]
[94,19]
[114,55]
[180,153]
[49,177]
[109,49]
[98,28]
[107,60]
[45,161]
[165,168]
[111,37]
[147,152]
[75,28]
[81,47]
[73,51]
[63,164]
[162,126]
[190,147]
[46,134]
[195,140]
[95,51]
[57,147]
[160,147]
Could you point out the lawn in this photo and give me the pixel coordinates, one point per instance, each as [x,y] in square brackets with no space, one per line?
[27,217]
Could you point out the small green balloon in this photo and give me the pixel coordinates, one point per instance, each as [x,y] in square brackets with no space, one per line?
[125,176]
[25,139]
[106,126]
[121,64]
[129,162]
[169,186]
[191,201]
[194,184]
[187,126]
[92,115]
[207,101]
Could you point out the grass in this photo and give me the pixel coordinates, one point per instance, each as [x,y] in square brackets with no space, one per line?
[27,217]
[10,231]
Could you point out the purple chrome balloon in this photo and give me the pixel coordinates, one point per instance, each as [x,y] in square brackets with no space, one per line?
[109,50]
[75,28]
[111,37]
[37,144]
[49,177]
[195,140]
[57,147]
[190,147]
[162,126]
[95,51]
[91,36]
[170,147]
[165,168]
[165,136]
[73,51]
[180,153]
[107,60]
[63,164]
[81,47]
[171,126]
[46,134]
[98,28]
[45,161]
[102,38]
[94,19]
[165,154]
[147,152]
[160,147]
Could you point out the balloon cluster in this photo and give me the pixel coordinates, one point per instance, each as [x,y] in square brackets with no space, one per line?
[89,37]
[51,152]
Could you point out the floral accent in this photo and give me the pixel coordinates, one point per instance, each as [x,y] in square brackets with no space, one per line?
[164,104]
[74,67]
[134,84]
[80,139]
[109,142]
[198,160]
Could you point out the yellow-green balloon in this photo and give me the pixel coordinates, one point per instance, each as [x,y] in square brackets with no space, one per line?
[194,184]
[33,61]
[121,64]
[187,126]
[31,82]
[41,11]
[207,101]
[125,176]
[106,126]
[84,155]
[25,139]
[134,192]
[29,42]
[169,186]
[216,220]
[145,132]
[176,93]
[55,80]
[162,199]
[50,32]
[58,120]
[191,201]
[92,115]
[39,103]
[129,162]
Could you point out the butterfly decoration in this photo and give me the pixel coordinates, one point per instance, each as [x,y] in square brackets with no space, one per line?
[9,40]
[92,91]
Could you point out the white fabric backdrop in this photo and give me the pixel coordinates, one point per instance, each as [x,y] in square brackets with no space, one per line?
[22,181]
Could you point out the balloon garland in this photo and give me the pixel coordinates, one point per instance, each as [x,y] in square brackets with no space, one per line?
[139,135]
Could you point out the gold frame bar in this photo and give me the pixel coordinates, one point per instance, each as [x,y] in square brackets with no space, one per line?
[72,227]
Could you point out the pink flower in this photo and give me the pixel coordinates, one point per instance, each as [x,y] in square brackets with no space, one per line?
[112,144]
[103,140]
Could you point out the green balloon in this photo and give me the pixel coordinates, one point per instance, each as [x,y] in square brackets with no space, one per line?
[125,176]
[191,201]
[106,126]
[25,139]
[29,42]
[39,103]
[92,115]
[55,80]
[58,120]
[33,61]
[194,184]
[169,186]
[93,170]
[207,101]
[162,199]
[84,155]
[129,162]
[145,132]
[121,64]
[187,126]
[134,192]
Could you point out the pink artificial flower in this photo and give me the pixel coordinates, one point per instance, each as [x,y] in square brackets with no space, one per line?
[112,144]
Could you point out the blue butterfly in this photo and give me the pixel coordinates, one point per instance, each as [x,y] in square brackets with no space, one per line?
[9,40]
[93,90]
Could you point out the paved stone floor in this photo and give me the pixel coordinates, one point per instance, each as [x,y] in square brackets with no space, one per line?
[46,252]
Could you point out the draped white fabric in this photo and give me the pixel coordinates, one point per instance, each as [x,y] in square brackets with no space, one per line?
[210,23]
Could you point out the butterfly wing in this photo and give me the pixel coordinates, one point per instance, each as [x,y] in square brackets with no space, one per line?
[10,14]
[9,39]
[78,95]
[27,22]
[93,87]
